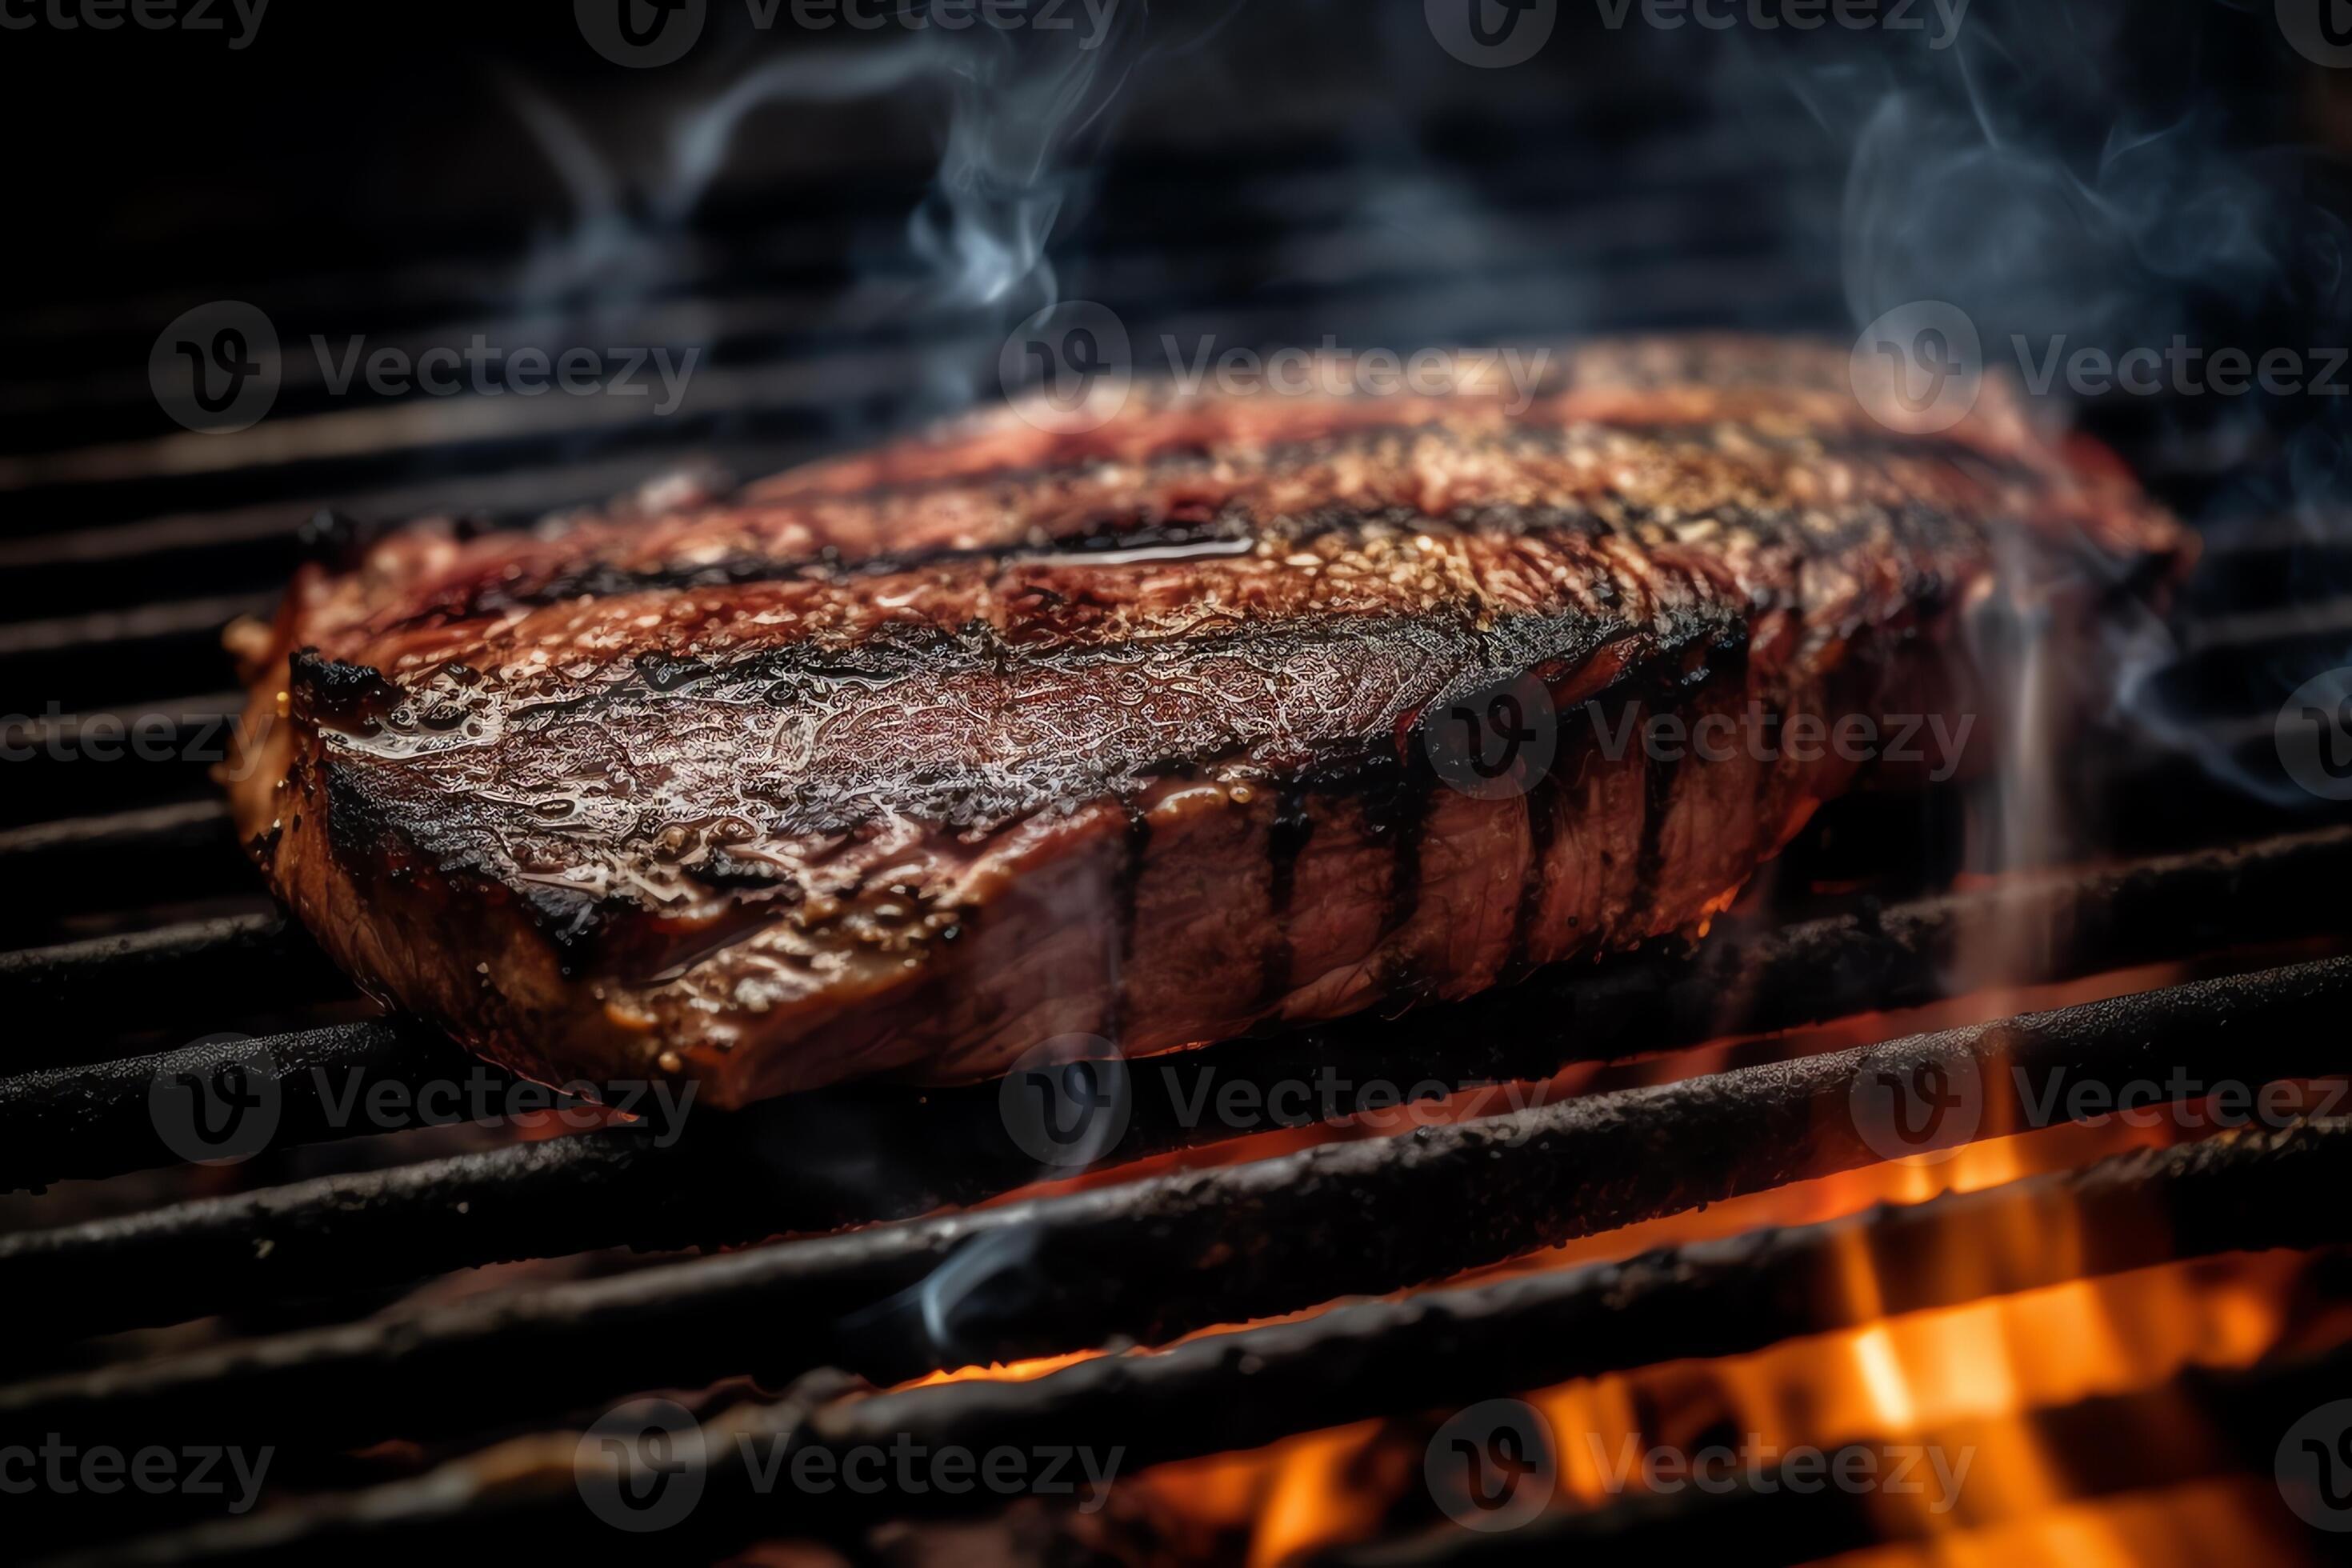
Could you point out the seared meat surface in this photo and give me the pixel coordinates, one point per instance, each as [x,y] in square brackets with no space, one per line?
[908,762]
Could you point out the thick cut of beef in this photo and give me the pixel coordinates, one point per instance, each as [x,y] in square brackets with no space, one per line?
[908,762]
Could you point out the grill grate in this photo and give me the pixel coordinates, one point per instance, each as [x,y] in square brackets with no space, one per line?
[1150,1260]
[1244,1389]
[614,1187]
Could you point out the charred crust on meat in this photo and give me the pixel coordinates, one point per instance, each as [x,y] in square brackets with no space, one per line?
[660,672]
[349,698]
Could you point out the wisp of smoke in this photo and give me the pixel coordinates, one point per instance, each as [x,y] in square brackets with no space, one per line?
[1017,105]
[2023,176]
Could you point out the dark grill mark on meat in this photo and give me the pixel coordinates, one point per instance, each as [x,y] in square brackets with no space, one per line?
[909,761]
[1658,774]
[1178,521]
[1127,885]
[1543,802]
[1137,848]
[1102,537]
[1859,441]
[1286,840]
[1396,813]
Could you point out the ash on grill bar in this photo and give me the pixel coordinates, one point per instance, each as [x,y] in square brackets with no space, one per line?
[1276,783]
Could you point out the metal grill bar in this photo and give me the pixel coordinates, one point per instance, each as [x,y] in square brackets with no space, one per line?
[81,1122]
[827,1161]
[60,779]
[158,831]
[1632,231]
[1157,1258]
[224,967]
[139,629]
[153,855]
[804,392]
[2240,1192]
[250,545]
[2238,1415]
[1272,186]
[65,728]
[1240,1390]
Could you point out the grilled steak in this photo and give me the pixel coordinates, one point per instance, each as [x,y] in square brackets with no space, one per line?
[908,762]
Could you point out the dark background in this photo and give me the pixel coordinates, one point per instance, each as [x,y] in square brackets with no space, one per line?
[1270,173]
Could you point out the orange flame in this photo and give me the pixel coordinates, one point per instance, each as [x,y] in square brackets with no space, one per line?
[1896,1380]
[1992,1361]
